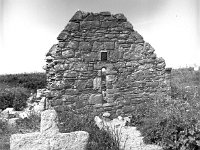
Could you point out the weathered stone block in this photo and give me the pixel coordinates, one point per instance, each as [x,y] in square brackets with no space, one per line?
[109,45]
[72,26]
[68,53]
[153,56]
[92,17]
[152,84]
[97,83]
[119,112]
[85,46]
[61,44]
[78,16]
[89,24]
[96,99]
[120,17]
[111,72]
[71,91]
[161,65]
[63,36]
[57,102]
[110,100]
[84,97]
[91,57]
[107,24]
[127,25]
[110,78]
[97,46]
[127,109]
[70,74]
[111,91]
[105,13]
[115,56]
[52,51]
[70,98]
[89,84]
[72,45]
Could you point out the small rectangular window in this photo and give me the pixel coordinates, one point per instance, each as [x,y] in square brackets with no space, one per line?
[103,56]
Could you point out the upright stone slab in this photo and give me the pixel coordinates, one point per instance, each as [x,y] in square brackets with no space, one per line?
[49,137]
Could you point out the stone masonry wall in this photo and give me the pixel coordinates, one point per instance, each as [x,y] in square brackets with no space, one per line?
[101,61]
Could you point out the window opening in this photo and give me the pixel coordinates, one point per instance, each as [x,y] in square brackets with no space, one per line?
[103,80]
[104,56]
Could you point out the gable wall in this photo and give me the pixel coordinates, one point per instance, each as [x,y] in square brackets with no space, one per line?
[133,73]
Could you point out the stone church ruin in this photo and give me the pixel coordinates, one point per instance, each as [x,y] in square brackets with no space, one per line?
[101,61]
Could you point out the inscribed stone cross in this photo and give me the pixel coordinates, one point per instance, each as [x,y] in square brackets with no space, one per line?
[49,137]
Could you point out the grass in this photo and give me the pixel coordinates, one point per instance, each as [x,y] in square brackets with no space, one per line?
[99,139]
[18,87]
[173,124]
[26,125]
[69,122]
[31,81]
[4,136]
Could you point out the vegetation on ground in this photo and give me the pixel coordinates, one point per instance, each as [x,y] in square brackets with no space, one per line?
[16,88]
[31,81]
[14,97]
[99,139]
[26,125]
[14,92]
[173,124]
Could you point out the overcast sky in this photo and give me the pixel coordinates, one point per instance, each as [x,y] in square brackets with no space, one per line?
[28,28]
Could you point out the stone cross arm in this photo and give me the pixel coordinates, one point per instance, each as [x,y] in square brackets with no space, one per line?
[49,137]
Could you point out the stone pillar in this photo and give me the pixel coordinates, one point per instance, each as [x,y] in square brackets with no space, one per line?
[49,122]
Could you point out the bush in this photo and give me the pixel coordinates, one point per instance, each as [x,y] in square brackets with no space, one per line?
[30,124]
[98,140]
[13,97]
[183,79]
[26,125]
[31,81]
[4,137]
[3,127]
[171,124]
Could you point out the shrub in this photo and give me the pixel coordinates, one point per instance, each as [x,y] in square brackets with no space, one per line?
[171,124]
[3,127]
[183,78]
[13,97]
[4,137]
[30,124]
[26,125]
[6,98]
[98,140]
[31,81]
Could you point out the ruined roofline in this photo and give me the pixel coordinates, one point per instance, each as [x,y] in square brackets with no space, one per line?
[90,16]
[101,61]
[85,21]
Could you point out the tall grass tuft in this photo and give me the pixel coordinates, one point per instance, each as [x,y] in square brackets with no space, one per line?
[99,139]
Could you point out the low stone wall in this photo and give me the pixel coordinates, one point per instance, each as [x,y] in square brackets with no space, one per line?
[101,61]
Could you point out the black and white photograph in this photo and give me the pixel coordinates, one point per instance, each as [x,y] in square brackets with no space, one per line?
[99,74]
